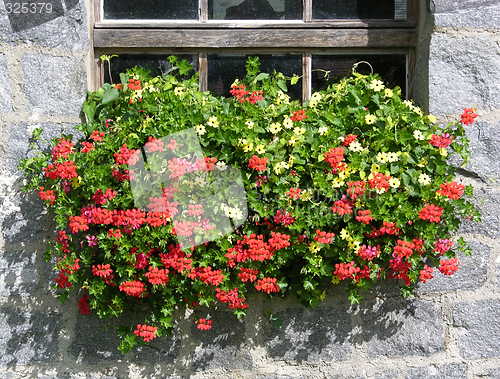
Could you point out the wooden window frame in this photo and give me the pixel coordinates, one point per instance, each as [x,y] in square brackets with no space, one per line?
[203,37]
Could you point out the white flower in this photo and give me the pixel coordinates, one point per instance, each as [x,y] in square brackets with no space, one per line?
[377,85]
[212,121]
[200,129]
[418,135]
[200,181]
[424,179]
[394,182]
[250,124]
[288,123]
[355,146]
[323,130]
[222,166]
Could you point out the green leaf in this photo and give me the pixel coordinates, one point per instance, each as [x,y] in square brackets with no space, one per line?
[261,76]
[294,80]
[282,85]
[184,67]
[110,96]
[89,110]
[314,302]
[276,320]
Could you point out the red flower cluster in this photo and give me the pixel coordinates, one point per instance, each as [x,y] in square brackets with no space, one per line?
[267,285]
[349,139]
[87,146]
[278,241]
[442,246]
[115,233]
[64,170]
[258,164]
[154,144]
[62,280]
[203,324]
[134,85]
[356,189]
[346,270]
[298,116]
[284,218]
[448,266]
[100,198]
[343,206]
[148,333]
[403,249]
[176,259]
[195,210]
[368,253]
[426,273]
[83,305]
[47,195]
[294,193]
[207,276]
[442,141]
[452,190]
[102,270]
[380,182]
[96,136]
[241,94]
[62,149]
[209,163]
[172,145]
[126,156]
[400,270]
[335,157]
[77,223]
[364,216]
[132,288]
[323,237]
[431,212]
[231,298]
[157,275]
[468,116]
[258,249]
[248,275]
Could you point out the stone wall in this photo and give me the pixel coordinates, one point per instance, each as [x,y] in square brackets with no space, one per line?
[449,329]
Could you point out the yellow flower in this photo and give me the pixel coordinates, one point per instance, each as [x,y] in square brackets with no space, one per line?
[432,118]
[370,119]
[260,149]
[388,92]
[424,179]
[375,168]
[418,111]
[288,123]
[299,131]
[377,85]
[315,98]
[200,129]
[337,183]
[422,163]
[306,195]
[354,245]
[293,141]
[335,279]
[212,121]
[235,83]
[249,123]
[344,234]
[418,135]
[314,247]
[408,103]
[323,296]
[443,152]
[248,147]
[75,182]
[274,127]
[178,91]
[394,182]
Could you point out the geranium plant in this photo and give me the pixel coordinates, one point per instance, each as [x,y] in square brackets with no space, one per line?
[177,198]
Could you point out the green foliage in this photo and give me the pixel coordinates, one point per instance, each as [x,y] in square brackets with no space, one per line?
[351,186]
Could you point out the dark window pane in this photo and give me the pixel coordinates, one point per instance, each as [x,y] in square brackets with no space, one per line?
[255,9]
[158,64]
[362,9]
[151,9]
[392,69]
[224,69]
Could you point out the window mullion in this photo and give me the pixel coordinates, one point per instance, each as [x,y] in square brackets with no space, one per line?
[307,10]
[203,10]
[203,71]
[306,76]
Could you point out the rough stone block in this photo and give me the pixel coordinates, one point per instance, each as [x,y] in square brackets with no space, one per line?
[487,200]
[28,337]
[5,86]
[397,327]
[18,273]
[464,69]
[311,335]
[64,28]
[485,149]
[223,346]
[490,373]
[480,336]
[386,374]
[472,13]
[92,344]
[455,371]
[164,350]
[471,273]
[54,85]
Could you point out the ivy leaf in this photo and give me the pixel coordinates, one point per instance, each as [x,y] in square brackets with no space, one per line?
[110,96]
[276,320]
[89,110]
[184,67]
[261,76]
[282,85]
[294,80]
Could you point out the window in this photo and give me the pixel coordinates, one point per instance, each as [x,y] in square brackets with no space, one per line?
[308,37]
